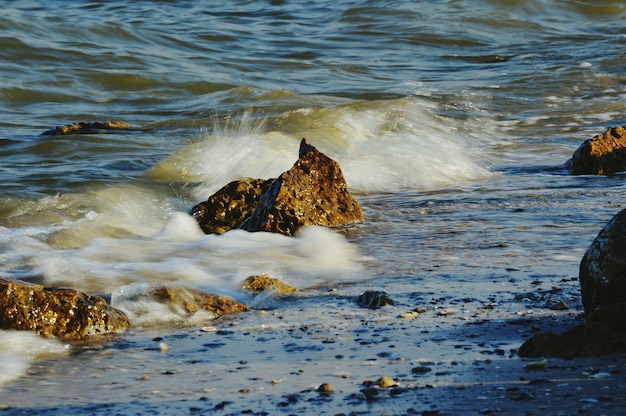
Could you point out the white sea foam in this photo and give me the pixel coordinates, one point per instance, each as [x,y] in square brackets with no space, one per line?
[380,146]
[179,253]
[19,348]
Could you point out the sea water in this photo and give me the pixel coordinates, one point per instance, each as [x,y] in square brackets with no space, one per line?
[451,121]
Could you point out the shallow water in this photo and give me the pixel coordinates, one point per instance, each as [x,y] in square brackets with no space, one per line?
[451,121]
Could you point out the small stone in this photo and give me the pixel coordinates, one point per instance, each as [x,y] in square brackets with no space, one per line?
[559,306]
[208,329]
[262,283]
[408,315]
[421,370]
[374,299]
[163,347]
[386,382]
[600,375]
[536,365]
[325,388]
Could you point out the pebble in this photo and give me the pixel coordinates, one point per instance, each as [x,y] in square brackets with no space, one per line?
[325,388]
[163,347]
[385,382]
[208,329]
[536,365]
[600,375]
[421,370]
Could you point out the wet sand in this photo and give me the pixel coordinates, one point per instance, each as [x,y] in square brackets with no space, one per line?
[457,356]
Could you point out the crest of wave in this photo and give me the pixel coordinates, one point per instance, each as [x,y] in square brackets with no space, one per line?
[381,146]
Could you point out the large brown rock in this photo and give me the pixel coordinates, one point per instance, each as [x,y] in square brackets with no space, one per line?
[312,192]
[230,206]
[58,312]
[603,154]
[602,271]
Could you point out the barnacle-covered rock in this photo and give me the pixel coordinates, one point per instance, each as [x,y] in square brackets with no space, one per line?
[94,127]
[59,312]
[604,154]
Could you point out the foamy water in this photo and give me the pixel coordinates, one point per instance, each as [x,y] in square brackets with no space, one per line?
[451,122]
[19,349]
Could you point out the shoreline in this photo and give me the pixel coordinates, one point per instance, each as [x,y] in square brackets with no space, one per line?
[458,356]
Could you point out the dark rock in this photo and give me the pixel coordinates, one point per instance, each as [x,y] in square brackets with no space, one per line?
[191,301]
[588,339]
[374,299]
[604,154]
[603,268]
[230,206]
[603,289]
[258,284]
[59,312]
[95,127]
[312,192]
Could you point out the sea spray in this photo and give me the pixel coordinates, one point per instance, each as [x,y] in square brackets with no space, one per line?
[19,348]
[381,146]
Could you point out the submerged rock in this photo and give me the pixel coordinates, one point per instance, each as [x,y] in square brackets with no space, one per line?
[95,127]
[312,192]
[604,154]
[59,312]
[230,206]
[188,301]
[261,283]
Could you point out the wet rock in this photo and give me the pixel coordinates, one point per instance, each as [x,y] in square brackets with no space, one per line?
[374,299]
[602,278]
[312,192]
[603,268]
[189,301]
[588,339]
[385,382]
[59,312]
[258,284]
[230,206]
[325,388]
[95,127]
[604,154]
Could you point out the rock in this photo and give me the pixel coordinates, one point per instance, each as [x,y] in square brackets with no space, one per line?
[385,382]
[602,271]
[374,299]
[189,301]
[604,154]
[59,312]
[591,338]
[95,127]
[602,277]
[230,206]
[258,284]
[312,192]
[325,388]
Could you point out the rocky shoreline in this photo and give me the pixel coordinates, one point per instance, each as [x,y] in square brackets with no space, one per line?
[378,328]
[314,192]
